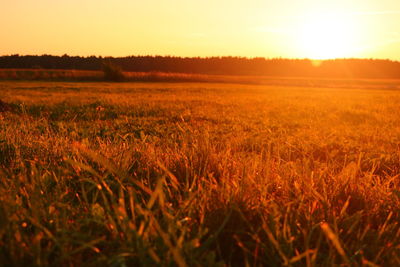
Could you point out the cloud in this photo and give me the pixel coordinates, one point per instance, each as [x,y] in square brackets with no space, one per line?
[378,45]
[375,13]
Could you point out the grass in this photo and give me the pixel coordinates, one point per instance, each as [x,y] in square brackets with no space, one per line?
[50,75]
[105,75]
[186,174]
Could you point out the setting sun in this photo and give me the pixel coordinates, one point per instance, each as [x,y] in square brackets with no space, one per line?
[290,29]
[326,36]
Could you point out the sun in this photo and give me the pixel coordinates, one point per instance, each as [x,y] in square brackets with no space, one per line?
[326,36]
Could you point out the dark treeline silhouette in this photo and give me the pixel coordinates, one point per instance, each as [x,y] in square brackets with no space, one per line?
[337,68]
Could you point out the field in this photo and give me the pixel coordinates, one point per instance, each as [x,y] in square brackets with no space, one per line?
[199,174]
[170,77]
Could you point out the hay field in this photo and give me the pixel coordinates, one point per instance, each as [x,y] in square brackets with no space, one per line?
[191,174]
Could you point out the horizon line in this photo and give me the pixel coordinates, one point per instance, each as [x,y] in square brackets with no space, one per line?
[206,57]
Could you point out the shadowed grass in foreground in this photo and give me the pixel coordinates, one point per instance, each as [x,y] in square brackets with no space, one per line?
[198,174]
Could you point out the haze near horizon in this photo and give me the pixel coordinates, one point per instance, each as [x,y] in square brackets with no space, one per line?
[293,29]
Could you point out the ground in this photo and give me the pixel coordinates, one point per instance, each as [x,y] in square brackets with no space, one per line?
[199,174]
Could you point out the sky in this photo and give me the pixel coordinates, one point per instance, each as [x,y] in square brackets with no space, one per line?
[251,28]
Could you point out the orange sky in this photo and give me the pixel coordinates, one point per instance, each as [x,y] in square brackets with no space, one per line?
[269,28]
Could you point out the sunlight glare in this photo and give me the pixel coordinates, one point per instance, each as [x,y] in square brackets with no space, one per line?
[326,36]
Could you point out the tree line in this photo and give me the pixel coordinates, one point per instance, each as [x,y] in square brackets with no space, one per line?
[278,67]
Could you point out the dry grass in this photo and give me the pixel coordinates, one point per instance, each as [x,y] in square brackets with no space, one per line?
[198,174]
[90,76]
[50,75]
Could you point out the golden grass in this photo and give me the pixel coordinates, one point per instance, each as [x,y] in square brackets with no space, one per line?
[84,75]
[192,174]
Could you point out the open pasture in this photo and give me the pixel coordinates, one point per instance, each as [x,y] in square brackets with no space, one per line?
[189,174]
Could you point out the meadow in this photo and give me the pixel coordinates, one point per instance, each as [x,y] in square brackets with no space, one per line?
[199,174]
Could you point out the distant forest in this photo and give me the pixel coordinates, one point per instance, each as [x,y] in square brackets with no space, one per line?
[338,68]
